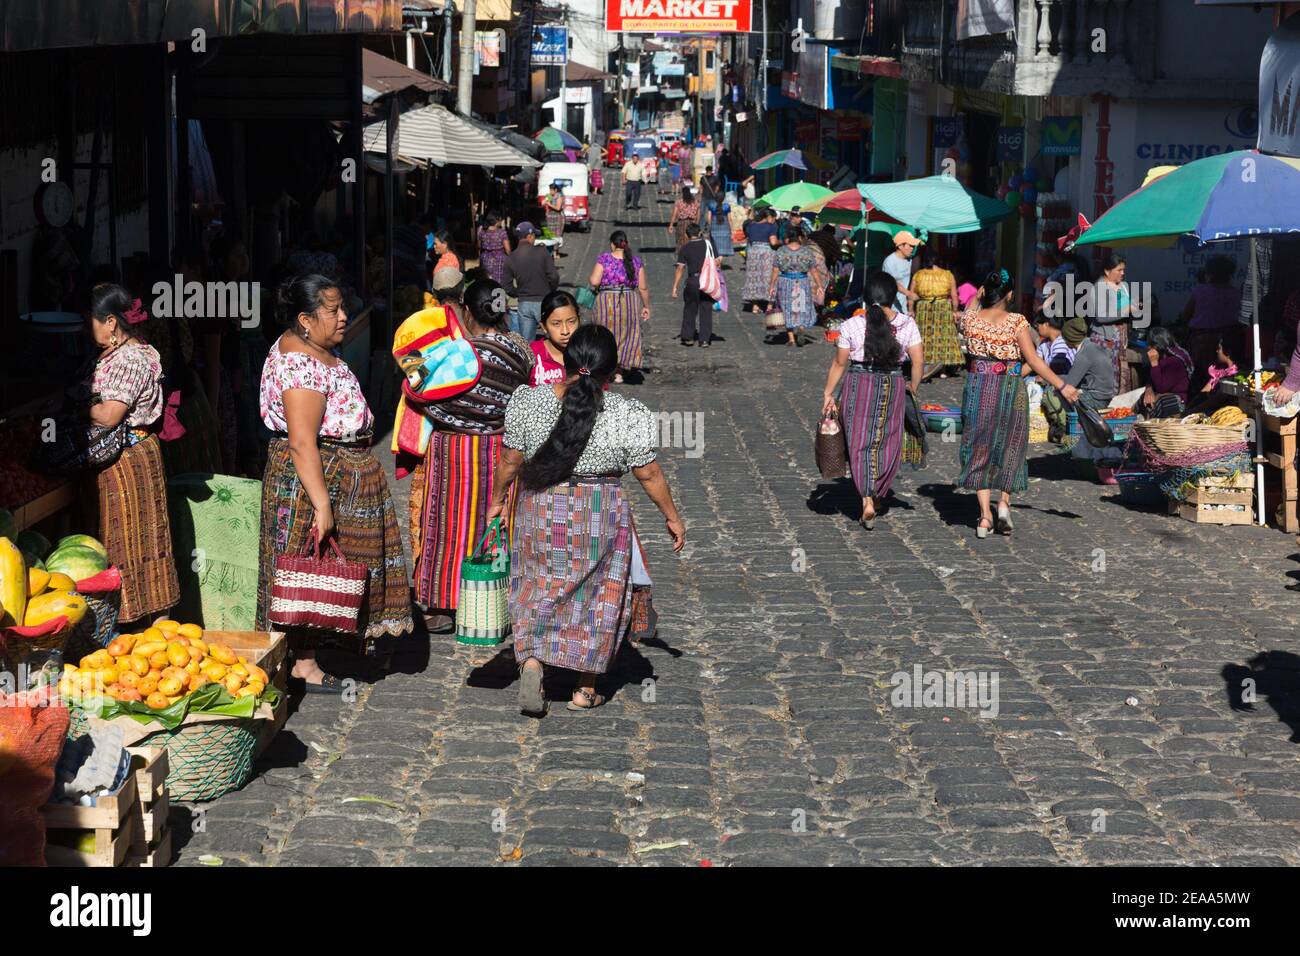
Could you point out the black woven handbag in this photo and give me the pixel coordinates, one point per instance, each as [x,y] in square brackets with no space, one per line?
[80,446]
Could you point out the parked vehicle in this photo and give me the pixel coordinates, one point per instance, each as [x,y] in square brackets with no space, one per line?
[614,148]
[572,179]
[642,146]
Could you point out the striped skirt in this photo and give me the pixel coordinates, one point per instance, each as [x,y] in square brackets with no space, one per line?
[451,489]
[758,271]
[365,526]
[134,527]
[555,222]
[570,564]
[938,332]
[873,404]
[795,298]
[995,433]
[620,312]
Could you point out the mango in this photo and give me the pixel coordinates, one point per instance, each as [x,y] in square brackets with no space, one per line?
[200,644]
[177,655]
[156,701]
[223,654]
[139,664]
[148,685]
[169,686]
[246,692]
[216,670]
[148,647]
[60,582]
[36,581]
[154,634]
[128,679]
[129,693]
[192,631]
[121,645]
[159,660]
[233,682]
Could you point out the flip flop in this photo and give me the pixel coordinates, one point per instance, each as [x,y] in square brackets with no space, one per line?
[329,684]
[532,700]
[592,701]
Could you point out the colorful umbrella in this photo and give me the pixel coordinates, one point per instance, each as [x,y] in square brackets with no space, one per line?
[782,157]
[557,140]
[845,208]
[935,204]
[787,197]
[1234,195]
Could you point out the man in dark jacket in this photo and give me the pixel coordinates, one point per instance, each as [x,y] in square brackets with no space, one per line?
[530,276]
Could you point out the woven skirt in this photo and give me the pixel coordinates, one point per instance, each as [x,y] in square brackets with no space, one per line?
[795,298]
[758,271]
[873,404]
[620,312]
[995,433]
[555,222]
[451,489]
[365,526]
[134,527]
[570,565]
[938,332]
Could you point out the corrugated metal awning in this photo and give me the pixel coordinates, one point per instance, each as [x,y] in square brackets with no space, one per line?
[382,75]
[437,135]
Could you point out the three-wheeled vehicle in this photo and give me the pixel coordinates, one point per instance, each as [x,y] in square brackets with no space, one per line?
[573,182]
[614,148]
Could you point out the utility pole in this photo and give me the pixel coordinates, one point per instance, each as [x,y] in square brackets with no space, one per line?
[465,73]
[564,82]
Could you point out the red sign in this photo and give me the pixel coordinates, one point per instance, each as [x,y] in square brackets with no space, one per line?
[678,16]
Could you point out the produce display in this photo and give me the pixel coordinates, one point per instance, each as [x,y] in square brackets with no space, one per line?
[1112,413]
[160,666]
[34,591]
[1227,417]
[18,483]
[1267,380]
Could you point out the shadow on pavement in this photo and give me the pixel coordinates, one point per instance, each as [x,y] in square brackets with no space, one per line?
[629,668]
[1273,676]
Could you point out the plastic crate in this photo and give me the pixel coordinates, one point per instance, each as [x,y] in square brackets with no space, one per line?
[1140,488]
[1121,428]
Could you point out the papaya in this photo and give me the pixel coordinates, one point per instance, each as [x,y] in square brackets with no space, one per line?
[13,584]
[60,582]
[36,581]
[52,604]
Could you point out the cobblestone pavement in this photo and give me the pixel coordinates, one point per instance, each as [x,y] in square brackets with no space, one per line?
[758,728]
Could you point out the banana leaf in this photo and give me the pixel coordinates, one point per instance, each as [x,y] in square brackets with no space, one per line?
[208,699]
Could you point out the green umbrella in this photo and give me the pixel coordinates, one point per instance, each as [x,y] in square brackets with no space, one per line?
[787,197]
[935,204]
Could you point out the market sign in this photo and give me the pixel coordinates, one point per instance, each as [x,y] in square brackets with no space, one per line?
[1279,91]
[550,46]
[1062,135]
[678,16]
[1011,144]
[946,131]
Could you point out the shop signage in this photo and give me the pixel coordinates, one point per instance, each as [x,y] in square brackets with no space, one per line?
[678,16]
[947,131]
[1279,91]
[550,46]
[1062,135]
[1011,144]
[848,127]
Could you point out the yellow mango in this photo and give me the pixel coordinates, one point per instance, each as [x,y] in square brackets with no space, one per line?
[37,579]
[192,631]
[177,655]
[149,648]
[222,653]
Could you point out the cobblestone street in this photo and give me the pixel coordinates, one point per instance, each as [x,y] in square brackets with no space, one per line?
[758,727]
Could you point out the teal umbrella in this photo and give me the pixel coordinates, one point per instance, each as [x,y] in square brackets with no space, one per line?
[935,204]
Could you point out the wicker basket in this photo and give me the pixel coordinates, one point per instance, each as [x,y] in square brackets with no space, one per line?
[1170,437]
[97,626]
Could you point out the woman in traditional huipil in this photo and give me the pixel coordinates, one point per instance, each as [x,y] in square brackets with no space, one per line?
[936,312]
[995,405]
[791,285]
[622,299]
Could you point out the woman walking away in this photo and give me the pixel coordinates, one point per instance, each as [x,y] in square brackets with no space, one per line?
[995,405]
[760,247]
[553,203]
[126,386]
[697,312]
[719,217]
[1108,325]
[451,486]
[791,286]
[571,553]
[872,347]
[622,299]
[936,313]
[321,480]
[493,247]
[686,209]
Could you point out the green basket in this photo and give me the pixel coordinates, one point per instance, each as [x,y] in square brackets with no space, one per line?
[483,608]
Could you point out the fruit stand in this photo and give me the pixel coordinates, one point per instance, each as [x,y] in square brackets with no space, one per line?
[1276,455]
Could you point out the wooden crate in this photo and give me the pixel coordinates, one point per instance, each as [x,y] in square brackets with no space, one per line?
[114,819]
[154,819]
[1281,488]
[1206,506]
[158,854]
[150,765]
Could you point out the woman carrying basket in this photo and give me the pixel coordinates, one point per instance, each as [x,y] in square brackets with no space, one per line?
[571,556]
[321,479]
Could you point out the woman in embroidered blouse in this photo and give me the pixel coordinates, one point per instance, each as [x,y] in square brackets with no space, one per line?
[872,347]
[686,209]
[126,387]
[790,285]
[321,480]
[571,553]
[995,405]
[452,484]
[493,247]
[1112,311]
[622,299]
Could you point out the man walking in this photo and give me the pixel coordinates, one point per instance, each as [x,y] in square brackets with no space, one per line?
[633,176]
[530,276]
[697,312]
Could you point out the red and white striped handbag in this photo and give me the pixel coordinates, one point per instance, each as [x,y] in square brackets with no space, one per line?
[316,591]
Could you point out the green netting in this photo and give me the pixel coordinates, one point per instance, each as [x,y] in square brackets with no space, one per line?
[207,760]
[215,525]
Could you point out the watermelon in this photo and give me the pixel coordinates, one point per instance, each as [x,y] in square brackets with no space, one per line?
[8,527]
[76,562]
[82,541]
[34,542]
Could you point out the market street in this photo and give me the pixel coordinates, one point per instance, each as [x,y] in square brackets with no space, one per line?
[758,727]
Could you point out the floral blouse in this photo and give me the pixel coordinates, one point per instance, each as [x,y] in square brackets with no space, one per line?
[346,413]
[623,438]
[131,374]
[992,340]
[614,272]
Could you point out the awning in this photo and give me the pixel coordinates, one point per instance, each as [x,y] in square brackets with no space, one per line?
[436,135]
[868,65]
[382,75]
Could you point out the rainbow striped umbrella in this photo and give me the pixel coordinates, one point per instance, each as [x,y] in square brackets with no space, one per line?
[557,140]
[782,157]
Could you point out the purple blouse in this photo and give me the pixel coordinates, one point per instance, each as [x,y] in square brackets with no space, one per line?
[614,272]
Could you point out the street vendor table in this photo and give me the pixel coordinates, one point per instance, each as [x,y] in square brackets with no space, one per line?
[1277,454]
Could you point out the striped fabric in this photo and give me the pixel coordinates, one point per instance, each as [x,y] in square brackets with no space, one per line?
[758,272]
[995,433]
[451,489]
[619,310]
[795,298]
[570,563]
[873,404]
[938,332]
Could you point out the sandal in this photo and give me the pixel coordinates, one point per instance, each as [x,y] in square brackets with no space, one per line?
[532,699]
[1004,520]
[329,684]
[592,700]
[982,532]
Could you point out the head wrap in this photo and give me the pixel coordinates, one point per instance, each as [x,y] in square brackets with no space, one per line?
[136,314]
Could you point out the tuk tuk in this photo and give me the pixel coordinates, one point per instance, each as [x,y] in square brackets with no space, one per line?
[614,148]
[643,146]
[572,178]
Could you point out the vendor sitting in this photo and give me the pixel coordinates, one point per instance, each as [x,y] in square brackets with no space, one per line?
[1170,375]
[1091,373]
[1209,400]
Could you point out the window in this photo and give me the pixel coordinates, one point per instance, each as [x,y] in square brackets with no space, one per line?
[708,59]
